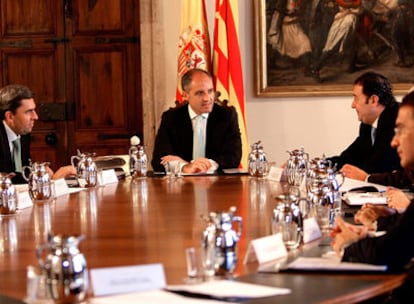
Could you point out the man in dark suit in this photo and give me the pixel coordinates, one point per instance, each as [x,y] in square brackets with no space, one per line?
[377,110]
[220,134]
[18,115]
[396,248]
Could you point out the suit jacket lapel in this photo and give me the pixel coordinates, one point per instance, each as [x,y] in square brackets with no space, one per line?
[6,157]
[186,129]
[214,126]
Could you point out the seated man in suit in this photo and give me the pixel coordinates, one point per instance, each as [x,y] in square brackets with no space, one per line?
[215,141]
[377,110]
[397,178]
[18,115]
[396,248]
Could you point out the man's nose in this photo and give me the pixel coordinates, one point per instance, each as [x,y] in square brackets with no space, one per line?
[394,142]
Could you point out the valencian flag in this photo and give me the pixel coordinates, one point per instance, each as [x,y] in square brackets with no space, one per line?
[227,69]
[194,42]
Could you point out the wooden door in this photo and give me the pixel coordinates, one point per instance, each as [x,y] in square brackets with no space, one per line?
[29,57]
[82,60]
[103,58]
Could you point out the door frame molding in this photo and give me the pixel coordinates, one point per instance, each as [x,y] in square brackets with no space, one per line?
[154,99]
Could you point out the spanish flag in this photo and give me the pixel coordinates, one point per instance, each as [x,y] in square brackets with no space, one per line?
[227,68]
[194,42]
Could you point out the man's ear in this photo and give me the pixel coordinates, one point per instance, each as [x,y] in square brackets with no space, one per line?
[184,95]
[374,99]
[8,115]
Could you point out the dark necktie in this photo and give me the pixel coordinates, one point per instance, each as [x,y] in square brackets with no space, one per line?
[17,155]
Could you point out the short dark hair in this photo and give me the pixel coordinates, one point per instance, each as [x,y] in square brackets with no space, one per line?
[188,77]
[376,84]
[408,101]
[11,97]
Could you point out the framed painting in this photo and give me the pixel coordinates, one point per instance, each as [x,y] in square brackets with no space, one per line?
[319,47]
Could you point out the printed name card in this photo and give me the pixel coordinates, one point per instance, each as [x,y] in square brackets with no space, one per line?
[61,187]
[24,200]
[311,230]
[82,182]
[275,173]
[127,279]
[107,177]
[266,249]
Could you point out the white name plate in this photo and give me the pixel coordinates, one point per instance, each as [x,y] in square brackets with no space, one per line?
[106,177]
[275,173]
[61,187]
[311,230]
[127,279]
[24,200]
[266,249]
[82,182]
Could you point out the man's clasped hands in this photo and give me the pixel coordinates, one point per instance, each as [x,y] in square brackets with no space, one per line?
[344,233]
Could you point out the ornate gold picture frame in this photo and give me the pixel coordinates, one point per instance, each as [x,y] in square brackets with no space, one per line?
[297,52]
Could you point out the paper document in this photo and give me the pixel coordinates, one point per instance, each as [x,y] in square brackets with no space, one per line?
[350,184]
[198,173]
[235,171]
[153,297]
[330,264]
[229,290]
[358,199]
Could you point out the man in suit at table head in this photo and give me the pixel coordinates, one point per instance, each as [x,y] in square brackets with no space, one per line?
[396,247]
[377,110]
[201,134]
[18,115]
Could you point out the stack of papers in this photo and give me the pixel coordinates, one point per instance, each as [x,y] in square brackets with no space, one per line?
[358,199]
[235,171]
[228,290]
[330,264]
[153,297]
[215,291]
[350,184]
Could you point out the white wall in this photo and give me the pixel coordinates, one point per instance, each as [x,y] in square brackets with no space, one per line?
[321,125]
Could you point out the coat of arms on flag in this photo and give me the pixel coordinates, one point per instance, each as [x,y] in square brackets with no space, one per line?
[194,40]
[193,46]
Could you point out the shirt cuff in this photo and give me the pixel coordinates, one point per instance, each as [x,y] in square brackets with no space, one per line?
[214,166]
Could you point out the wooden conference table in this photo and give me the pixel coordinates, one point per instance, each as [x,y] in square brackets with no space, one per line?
[153,220]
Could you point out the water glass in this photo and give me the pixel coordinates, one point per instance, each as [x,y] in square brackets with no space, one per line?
[173,169]
[36,287]
[290,231]
[192,260]
[208,257]
[200,263]
[324,216]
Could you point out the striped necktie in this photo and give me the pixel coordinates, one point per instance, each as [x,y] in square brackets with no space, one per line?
[17,155]
[199,140]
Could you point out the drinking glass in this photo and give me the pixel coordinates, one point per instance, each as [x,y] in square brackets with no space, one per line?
[172,169]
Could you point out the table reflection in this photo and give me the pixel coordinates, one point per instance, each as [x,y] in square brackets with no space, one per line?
[88,209]
[42,219]
[139,195]
[8,234]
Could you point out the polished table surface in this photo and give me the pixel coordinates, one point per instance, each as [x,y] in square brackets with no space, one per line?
[153,220]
